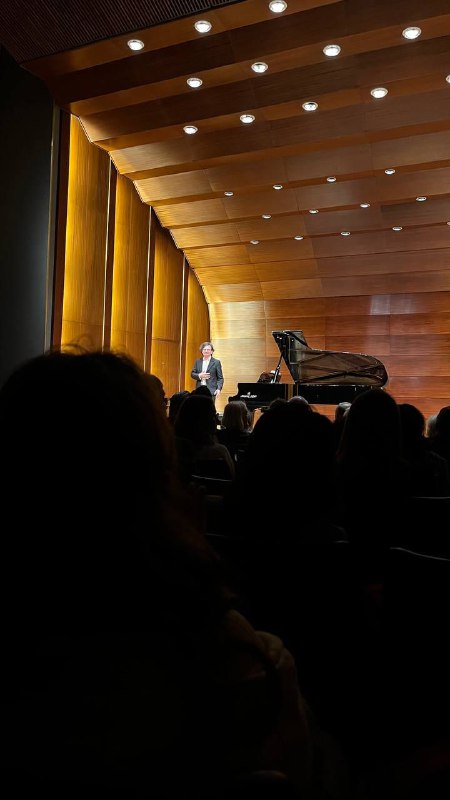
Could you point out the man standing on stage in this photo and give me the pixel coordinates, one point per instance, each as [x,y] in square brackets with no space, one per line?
[207,371]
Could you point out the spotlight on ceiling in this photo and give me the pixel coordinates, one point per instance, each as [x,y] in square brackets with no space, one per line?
[135,44]
[277,6]
[202,26]
[378,92]
[194,83]
[331,50]
[412,32]
[260,67]
[310,105]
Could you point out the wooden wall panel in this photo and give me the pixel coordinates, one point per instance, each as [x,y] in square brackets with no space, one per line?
[218,275]
[421,324]
[373,325]
[287,270]
[314,307]
[131,273]
[86,242]
[239,328]
[409,364]
[421,303]
[433,387]
[273,290]
[240,292]
[370,263]
[167,310]
[236,311]
[197,327]
[367,305]
[316,325]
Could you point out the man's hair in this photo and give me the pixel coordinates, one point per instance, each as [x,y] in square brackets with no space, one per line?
[206,344]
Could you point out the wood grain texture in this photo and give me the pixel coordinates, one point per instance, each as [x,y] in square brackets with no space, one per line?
[377,291]
[197,327]
[131,273]
[167,311]
[86,243]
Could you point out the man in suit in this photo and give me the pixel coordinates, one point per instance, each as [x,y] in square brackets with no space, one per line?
[207,371]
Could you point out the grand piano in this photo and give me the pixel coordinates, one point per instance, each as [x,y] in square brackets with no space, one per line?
[320,376]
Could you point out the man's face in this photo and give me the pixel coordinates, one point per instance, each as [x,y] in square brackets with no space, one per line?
[206,352]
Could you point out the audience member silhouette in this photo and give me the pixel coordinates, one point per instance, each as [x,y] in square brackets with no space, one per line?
[174,404]
[196,432]
[340,413]
[440,439]
[235,430]
[373,478]
[124,663]
[429,471]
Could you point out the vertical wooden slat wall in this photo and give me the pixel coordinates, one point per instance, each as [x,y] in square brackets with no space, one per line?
[83,316]
[130,273]
[167,309]
[123,283]
[238,333]
[197,327]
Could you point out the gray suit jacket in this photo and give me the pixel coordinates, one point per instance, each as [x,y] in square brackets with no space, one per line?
[215,371]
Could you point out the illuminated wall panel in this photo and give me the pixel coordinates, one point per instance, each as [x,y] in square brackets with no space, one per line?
[131,273]
[86,251]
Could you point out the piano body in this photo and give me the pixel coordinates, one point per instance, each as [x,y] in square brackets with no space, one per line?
[320,376]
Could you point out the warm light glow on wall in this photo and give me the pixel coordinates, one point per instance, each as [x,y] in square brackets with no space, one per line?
[86,242]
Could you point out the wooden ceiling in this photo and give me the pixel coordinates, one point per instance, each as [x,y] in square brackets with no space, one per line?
[134,105]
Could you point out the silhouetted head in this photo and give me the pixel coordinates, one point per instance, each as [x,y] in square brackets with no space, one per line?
[175,402]
[85,422]
[202,390]
[412,421]
[91,486]
[443,423]
[372,428]
[235,416]
[341,410]
[197,419]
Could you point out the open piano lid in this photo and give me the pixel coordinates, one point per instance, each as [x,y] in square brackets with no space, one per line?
[323,367]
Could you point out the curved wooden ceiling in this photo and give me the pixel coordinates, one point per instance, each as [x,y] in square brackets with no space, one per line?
[135,106]
[377,290]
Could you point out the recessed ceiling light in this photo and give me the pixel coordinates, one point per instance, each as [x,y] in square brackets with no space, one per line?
[310,105]
[448,79]
[135,44]
[277,6]
[412,33]
[365,205]
[254,241]
[331,179]
[345,233]
[266,216]
[421,199]
[247,119]
[202,26]
[260,66]
[313,210]
[397,228]
[331,50]
[194,83]
[378,92]
[278,186]
[299,238]
[190,129]
[389,171]
[228,194]
[448,223]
